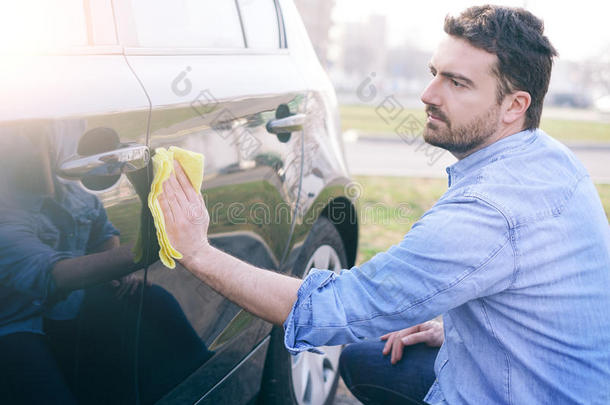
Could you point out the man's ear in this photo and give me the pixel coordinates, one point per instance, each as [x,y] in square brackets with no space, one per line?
[516,105]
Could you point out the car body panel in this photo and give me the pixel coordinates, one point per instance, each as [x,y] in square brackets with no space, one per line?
[251,179]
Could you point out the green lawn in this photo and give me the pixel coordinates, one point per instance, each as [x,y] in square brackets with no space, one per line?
[389,206]
[366,119]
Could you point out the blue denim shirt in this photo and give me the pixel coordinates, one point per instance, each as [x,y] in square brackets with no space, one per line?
[33,238]
[515,256]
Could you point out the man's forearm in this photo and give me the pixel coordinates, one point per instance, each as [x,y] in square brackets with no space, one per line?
[86,271]
[264,293]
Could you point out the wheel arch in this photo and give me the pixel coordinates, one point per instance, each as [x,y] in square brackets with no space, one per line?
[342,213]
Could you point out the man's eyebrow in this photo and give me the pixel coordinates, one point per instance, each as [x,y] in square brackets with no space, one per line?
[452,75]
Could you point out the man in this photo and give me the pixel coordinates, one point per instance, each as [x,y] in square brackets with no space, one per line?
[515,255]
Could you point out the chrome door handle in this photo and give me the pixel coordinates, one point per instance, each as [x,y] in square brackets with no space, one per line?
[288,124]
[128,158]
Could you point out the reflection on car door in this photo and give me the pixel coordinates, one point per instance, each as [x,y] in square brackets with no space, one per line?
[78,122]
[219,103]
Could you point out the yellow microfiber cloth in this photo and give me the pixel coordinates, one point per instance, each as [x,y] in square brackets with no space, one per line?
[163,166]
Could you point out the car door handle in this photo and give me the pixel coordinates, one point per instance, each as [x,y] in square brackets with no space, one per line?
[288,124]
[130,157]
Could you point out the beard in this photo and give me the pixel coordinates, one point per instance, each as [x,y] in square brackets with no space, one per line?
[464,138]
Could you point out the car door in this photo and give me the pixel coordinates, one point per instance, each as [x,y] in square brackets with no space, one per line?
[73,124]
[221,83]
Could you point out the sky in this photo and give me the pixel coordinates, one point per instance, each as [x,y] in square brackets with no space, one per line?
[578,29]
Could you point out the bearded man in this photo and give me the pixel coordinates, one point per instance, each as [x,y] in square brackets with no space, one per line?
[515,256]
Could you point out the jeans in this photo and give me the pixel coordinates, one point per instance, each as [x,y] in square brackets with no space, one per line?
[372,379]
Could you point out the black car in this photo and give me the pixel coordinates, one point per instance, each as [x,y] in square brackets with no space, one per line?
[88,95]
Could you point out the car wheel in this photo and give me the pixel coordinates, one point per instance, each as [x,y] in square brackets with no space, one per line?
[307,378]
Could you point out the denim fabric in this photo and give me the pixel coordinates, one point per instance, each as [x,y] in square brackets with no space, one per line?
[33,238]
[374,380]
[515,256]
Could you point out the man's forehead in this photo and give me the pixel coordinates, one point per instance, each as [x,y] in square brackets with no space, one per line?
[456,55]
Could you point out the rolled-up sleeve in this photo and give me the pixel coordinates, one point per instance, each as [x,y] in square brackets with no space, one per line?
[301,311]
[26,262]
[458,251]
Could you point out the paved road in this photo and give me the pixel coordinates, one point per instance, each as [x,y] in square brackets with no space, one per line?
[393,156]
[344,397]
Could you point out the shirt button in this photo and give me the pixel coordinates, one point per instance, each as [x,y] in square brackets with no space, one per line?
[37,303]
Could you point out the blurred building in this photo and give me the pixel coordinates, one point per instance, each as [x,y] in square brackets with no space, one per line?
[316,16]
[364,46]
[571,84]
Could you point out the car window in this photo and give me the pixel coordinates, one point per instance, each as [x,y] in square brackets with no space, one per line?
[260,23]
[187,24]
[33,26]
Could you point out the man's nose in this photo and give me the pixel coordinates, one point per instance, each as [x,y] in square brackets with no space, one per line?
[431,95]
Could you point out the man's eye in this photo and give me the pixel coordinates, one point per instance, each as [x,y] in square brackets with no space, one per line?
[456,83]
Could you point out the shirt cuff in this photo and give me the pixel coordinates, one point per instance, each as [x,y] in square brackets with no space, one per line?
[302,310]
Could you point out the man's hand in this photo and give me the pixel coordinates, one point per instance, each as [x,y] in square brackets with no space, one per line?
[186,217]
[128,284]
[430,333]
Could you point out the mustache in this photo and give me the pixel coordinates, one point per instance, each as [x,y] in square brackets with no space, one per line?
[431,110]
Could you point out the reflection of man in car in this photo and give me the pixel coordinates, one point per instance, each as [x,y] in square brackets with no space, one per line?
[58,251]
[55,239]
[515,255]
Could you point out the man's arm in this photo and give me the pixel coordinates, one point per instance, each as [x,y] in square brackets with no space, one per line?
[85,271]
[112,242]
[28,265]
[458,251]
[264,293]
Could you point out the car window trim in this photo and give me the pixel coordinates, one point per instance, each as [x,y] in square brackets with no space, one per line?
[279,20]
[82,50]
[88,22]
[241,24]
[281,25]
[203,51]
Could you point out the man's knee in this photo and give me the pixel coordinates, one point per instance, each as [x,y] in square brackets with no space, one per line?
[355,356]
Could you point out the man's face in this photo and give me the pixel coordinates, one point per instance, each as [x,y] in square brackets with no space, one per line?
[460,100]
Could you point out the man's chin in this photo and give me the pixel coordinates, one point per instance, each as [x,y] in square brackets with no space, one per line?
[433,140]
[450,147]
[439,143]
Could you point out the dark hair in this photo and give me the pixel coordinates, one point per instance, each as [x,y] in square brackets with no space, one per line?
[515,36]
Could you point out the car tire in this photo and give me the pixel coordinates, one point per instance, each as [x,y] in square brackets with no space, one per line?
[308,378]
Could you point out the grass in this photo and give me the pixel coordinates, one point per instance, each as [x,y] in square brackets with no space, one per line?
[366,119]
[389,206]
[384,216]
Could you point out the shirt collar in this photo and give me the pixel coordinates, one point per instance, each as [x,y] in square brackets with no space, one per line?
[488,154]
